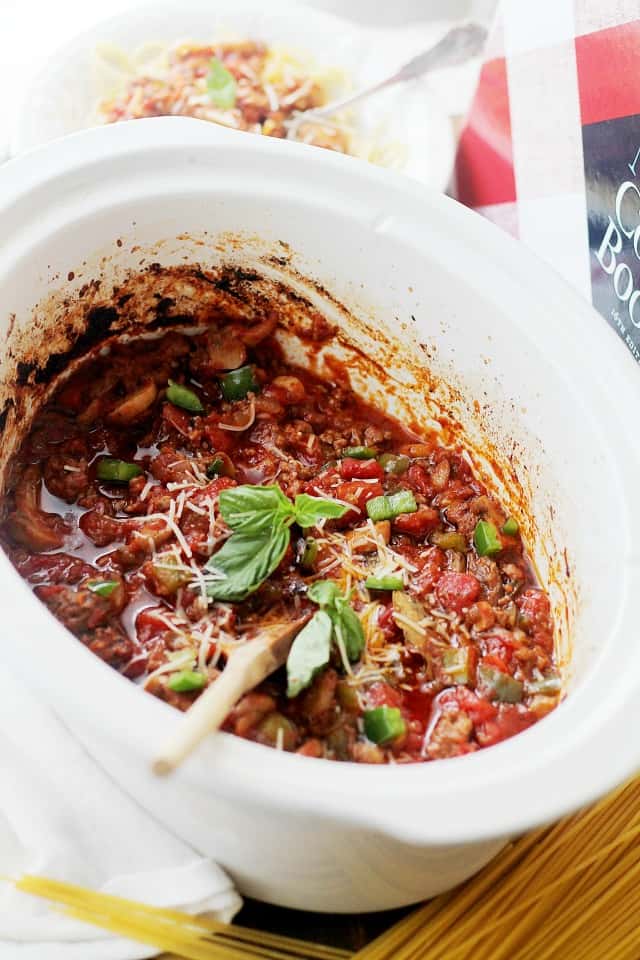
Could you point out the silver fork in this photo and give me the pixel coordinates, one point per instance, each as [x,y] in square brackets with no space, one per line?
[457,46]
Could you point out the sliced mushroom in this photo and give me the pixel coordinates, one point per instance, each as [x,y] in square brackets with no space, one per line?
[100,391]
[252,336]
[29,525]
[134,405]
[225,349]
[221,465]
[291,388]
[92,412]
[239,419]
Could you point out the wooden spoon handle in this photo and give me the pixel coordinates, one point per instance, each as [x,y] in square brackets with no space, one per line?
[245,669]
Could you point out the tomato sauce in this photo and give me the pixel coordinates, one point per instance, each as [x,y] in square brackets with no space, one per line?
[114,516]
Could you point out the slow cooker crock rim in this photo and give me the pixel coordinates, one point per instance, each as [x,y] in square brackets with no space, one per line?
[439,803]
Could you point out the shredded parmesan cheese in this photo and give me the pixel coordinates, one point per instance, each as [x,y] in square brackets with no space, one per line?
[144,493]
[401,619]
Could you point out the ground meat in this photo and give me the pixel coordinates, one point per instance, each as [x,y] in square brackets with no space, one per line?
[100,527]
[535,616]
[52,568]
[487,572]
[171,467]
[481,615]
[435,649]
[66,472]
[418,524]
[79,610]
[450,736]
[110,644]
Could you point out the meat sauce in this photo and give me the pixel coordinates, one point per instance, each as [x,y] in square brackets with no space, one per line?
[236,84]
[113,515]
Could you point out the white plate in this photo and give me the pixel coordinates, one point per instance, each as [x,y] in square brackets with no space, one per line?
[64,93]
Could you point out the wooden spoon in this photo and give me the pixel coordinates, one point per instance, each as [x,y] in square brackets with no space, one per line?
[247,666]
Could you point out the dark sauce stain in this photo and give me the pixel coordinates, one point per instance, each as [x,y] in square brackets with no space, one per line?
[99,322]
[164,305]
[231,280]
[4,413]
[24,371]
[179,320]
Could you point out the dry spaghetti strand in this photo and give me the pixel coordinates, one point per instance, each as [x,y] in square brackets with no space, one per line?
[570,890]
[196,938]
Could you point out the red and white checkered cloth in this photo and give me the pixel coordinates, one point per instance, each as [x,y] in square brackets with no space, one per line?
[551,147]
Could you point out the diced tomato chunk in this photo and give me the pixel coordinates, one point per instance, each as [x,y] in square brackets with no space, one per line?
[212,489]
[510,720]
[150,625]
[218,439]
[492,660]
[499,649]
[535,616]
[430,563]
[387,625]
[457,591]
[417,477]
[534,605]
[381,694]
[352,469]
[462,698]
[358,494]
[176,418]
[419,523]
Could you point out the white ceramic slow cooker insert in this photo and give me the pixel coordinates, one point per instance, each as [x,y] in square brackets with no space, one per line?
[556,392]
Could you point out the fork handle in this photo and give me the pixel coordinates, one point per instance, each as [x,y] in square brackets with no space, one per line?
[457,46]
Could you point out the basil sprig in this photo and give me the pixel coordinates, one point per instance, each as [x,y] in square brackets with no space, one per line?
[309,653]
[260,518]
[347,626]
[311,649]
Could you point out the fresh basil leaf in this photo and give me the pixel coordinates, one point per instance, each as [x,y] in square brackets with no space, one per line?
[324,592]
[221,85]
[308,510]
[351,628]
[309,653]
[253,509]
[245,561]
[347,625]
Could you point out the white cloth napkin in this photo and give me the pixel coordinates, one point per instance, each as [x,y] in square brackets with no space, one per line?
[63,817]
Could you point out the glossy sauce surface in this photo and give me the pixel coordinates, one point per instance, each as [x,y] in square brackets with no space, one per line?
[461,656]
